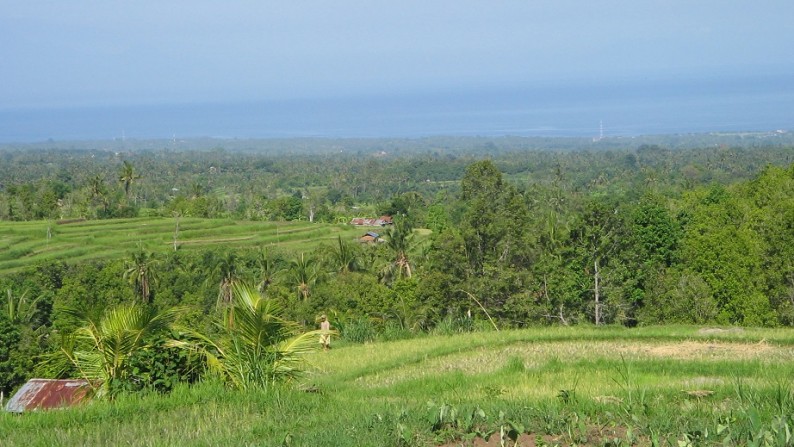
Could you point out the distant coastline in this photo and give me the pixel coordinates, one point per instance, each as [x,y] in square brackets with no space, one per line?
[403,146]
[532,112]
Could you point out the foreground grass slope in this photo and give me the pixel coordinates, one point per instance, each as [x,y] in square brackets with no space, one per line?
[26,243]
[558,386]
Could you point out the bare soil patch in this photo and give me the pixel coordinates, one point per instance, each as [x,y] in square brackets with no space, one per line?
[717,331]
[690,350]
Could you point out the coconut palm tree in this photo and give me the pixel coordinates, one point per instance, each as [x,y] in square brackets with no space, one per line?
[267,270]
[228,269]
[303,275]
[141,273]
[98,191]
[259,349]
[399,240]
[344,257]
[18,309]
[96,186]
[101,349]
[127,177]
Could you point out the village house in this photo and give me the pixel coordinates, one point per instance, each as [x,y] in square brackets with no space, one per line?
[381,221]
[370,238]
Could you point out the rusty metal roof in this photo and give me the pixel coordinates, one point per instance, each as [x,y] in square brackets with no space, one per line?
[48,393]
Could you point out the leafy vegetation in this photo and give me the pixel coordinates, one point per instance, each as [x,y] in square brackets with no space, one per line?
[492,235]
[667,386]
[101,350]
[256,347]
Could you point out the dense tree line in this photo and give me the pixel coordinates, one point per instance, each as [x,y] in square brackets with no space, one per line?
[335,181]
[642,236]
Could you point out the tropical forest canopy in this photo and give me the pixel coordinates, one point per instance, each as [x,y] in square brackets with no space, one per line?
[506,232]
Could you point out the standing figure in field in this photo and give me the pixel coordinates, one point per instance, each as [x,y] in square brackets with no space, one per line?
[325,334]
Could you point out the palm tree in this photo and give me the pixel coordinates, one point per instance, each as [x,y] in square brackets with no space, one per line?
[303,275]
[259,349]
[98,191]
[228,270]
[268,269]
[127,177]
[141,273]
[196,190]
[412,315]
[344,257]
[96,186]
[18,309]
[101,349]
[399,240]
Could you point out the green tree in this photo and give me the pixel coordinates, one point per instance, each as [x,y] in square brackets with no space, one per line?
[650,247]
[90,286]
[302,275]
[409,204]
[344,256]
[268,269]
[492,226]
[18,309]
[655,232]
[287,208]
[595,241]
[142,273]
[437,218]
[127,177]
[228,269]
[721,245]
[399,242]
[678,297]
[769,201]
[98,192]
[11,372]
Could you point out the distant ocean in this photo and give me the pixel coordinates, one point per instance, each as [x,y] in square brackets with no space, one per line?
[637,108]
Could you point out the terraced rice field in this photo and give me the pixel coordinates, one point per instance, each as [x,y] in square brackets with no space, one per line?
[27,243]
[549,386]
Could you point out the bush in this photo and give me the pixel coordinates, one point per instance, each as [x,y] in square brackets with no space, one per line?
[11,373]
[361,330]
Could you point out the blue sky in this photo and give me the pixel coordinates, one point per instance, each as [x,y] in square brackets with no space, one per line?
[98,53]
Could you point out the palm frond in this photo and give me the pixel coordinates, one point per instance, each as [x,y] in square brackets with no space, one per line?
[100,350]
[257,347]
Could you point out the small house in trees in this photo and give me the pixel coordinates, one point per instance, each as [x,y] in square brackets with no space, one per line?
[370,238]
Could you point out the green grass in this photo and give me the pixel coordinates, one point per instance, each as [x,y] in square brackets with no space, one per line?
[26,243]
[566,386]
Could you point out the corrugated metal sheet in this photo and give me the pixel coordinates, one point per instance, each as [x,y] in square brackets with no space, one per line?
[371,222]
[46,393]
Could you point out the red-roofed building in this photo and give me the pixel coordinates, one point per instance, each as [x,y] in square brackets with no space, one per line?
[381,221]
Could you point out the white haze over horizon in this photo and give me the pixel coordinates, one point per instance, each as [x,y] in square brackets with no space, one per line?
[92,69]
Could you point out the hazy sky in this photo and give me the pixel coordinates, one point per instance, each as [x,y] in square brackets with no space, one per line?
[71,53]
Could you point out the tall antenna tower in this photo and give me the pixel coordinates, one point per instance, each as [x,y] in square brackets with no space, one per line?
[600,131]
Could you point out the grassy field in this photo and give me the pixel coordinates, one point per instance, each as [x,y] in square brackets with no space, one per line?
[26,243]
[675,386]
